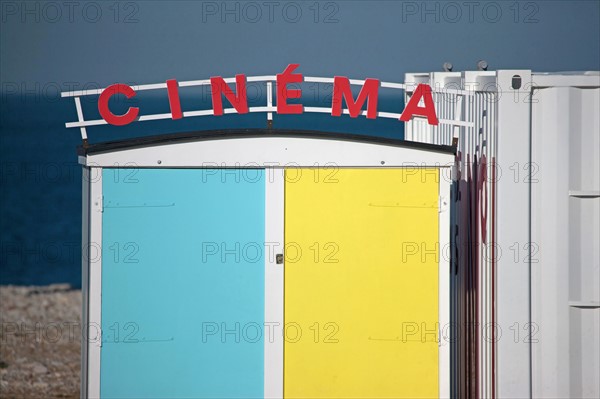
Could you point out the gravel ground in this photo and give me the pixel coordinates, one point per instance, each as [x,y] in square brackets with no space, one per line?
[40,341]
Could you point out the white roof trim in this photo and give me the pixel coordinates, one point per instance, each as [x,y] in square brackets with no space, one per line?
[269,152]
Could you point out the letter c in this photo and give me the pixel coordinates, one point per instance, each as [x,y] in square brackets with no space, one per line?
[117,120]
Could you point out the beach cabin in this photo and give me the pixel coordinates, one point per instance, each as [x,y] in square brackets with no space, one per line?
[306,264]
[262,264]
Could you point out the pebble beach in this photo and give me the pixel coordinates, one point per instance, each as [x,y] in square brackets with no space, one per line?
[40,341]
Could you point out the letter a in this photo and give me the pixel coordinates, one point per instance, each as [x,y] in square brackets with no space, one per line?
[412,108]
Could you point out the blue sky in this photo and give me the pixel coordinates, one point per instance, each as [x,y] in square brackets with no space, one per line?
[149,41]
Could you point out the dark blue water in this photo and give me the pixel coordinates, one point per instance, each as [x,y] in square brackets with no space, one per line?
[40,180]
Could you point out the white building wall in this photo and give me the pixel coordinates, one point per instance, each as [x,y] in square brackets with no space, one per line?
[566,229]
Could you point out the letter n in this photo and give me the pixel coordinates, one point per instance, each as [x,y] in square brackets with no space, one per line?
[239,100]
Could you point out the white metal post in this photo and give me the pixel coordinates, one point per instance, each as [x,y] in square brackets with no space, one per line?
[513,379]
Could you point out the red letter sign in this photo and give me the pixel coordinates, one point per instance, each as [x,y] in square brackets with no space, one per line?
[283,79]
[218,87]
[173,92]
[117,120]
[341,89]
[412,108]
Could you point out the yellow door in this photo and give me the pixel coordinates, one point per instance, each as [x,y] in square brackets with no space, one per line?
[361,283]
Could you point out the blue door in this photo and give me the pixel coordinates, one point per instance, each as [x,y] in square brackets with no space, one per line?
[182,283]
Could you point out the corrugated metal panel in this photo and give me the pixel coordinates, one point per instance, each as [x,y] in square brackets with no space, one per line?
[565,236]
[559,262]
[473,218]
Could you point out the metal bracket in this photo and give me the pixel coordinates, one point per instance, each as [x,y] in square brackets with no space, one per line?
[444,204]
[99,204]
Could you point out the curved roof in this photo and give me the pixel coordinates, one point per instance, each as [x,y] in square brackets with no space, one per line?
[188,137]
[264,148]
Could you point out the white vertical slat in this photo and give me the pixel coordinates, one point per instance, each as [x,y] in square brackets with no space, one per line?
[94,335]
[80,118]
[85,239]
[444,286]
[274,244]
[269,99]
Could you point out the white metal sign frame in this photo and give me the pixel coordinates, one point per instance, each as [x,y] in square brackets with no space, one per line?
[269,108]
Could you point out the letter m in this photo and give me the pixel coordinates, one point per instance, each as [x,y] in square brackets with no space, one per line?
[341,89]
